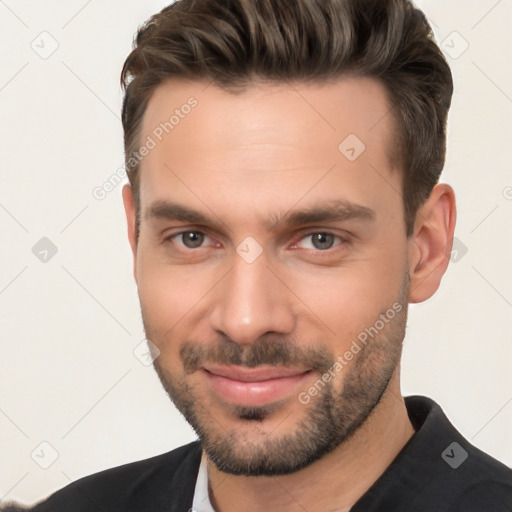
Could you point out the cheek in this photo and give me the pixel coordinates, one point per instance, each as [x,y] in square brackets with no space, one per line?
[166,291]
[349,299]
[167,299]
[173,301]
[163,310]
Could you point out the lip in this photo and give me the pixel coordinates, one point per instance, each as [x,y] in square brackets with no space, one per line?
[253,386]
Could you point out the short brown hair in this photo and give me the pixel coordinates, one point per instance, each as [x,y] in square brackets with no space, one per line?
[233,43]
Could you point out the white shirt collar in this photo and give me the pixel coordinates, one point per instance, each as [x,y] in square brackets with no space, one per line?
[201,501]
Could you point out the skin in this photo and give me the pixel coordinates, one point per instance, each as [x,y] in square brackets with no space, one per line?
[244,160]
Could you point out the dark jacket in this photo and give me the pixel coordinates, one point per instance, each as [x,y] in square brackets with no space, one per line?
[436,471]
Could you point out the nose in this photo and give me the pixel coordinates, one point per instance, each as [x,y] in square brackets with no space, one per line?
[252,301]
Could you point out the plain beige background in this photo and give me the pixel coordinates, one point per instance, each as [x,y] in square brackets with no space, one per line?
[74,395]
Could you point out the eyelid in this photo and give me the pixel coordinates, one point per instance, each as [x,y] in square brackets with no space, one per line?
[298,238]
[342,239]
[170,237]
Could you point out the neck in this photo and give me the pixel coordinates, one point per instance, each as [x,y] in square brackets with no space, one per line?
[336,481]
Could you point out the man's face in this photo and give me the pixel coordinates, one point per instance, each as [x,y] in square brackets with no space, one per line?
[267,254]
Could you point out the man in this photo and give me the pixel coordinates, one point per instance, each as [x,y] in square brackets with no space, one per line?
[283,210]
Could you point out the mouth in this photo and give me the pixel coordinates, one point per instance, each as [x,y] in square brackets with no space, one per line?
[253,386]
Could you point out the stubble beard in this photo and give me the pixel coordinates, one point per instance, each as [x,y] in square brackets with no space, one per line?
[329,419]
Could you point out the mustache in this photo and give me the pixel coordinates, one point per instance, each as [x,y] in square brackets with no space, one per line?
[265,351]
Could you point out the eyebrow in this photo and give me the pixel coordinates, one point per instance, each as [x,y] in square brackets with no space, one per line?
[169,210]
[331,211]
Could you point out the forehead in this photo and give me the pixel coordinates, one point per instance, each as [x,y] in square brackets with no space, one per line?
[270,138]
[359,105]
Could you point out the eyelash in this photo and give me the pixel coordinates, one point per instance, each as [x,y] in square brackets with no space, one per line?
[342,240]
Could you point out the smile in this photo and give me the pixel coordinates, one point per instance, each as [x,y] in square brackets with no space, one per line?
[253,386]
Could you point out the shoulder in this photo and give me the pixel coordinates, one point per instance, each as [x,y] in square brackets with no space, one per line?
[481,482]
[455,473]
[150,484]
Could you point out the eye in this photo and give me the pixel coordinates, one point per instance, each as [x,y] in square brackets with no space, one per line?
[189,239]
[319,241]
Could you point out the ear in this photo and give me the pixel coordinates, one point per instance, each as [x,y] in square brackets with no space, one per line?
[131,219]
[430,245]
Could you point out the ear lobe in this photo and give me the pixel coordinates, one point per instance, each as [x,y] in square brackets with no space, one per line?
[131,219]
[431,243]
